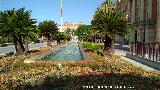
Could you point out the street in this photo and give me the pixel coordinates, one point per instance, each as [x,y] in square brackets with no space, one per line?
[11,48]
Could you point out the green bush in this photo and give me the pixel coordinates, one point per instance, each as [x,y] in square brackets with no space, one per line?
[94,47]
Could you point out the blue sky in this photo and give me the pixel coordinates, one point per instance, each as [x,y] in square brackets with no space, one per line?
[73,10]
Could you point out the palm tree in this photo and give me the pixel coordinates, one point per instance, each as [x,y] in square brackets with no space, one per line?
[111,23]
[47,29]
[18,25]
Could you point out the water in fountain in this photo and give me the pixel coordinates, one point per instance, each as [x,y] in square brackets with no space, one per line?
[69,52]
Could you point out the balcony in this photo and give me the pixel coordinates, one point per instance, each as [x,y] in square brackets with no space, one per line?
[151,21]
[142,23]
[135,25]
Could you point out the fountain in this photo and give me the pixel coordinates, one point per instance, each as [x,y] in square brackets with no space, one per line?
[68,52]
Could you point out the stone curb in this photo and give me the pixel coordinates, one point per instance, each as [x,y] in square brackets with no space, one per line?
[84,55]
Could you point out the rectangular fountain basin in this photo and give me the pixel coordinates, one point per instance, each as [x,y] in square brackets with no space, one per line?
[68,52]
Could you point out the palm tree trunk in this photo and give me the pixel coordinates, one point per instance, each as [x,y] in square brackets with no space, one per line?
[107,45]
[112,46]
[48,41]
[18,45]
[101,40]
[95,39]
[26,44]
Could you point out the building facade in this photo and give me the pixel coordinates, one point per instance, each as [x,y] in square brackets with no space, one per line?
[69,25]
[144,20]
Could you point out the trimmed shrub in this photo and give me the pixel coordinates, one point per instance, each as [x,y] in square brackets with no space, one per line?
[93,47]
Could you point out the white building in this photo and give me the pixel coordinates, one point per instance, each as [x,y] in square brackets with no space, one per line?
[70,25]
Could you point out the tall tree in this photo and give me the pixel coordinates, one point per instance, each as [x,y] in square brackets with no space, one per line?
[111,23]
[84,32]
[17,24]
[48,28]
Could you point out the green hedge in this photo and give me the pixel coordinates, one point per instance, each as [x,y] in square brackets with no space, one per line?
[93,46]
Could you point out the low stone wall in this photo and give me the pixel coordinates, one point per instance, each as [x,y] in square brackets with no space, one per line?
[150,63]
[84,55]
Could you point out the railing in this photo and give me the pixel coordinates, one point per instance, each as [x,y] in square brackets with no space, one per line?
[149,22]
[147,50]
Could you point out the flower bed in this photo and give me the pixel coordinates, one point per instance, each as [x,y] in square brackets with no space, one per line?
[16,62]
[73,75]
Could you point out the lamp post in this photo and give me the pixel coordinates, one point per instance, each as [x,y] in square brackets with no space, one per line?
[0,39]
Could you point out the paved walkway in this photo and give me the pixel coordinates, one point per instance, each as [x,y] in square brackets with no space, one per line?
[122,50]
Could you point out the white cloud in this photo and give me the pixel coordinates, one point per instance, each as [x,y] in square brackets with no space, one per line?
[0,2]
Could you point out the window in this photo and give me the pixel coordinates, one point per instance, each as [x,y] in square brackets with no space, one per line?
[147,15]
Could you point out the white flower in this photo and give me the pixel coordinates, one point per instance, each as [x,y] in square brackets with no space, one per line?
[59,65]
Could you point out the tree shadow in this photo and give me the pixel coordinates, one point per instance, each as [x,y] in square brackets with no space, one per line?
[120,47]
[107,81]
[32,51]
